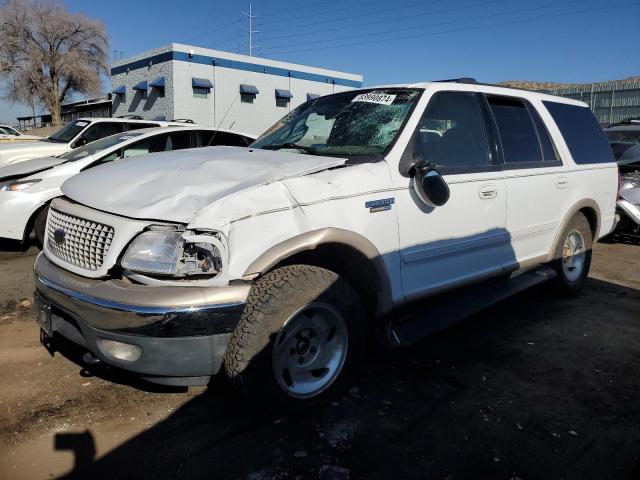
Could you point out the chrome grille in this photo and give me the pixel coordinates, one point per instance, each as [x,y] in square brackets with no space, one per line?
[84,243]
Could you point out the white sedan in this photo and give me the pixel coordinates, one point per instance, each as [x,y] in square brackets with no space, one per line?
[10,134]
[27,188]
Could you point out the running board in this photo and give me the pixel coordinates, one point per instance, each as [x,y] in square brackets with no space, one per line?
[439,312]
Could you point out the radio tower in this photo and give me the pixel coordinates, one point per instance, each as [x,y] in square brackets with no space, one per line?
[251,31]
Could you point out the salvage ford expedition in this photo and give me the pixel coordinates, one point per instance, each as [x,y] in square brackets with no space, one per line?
[272,262]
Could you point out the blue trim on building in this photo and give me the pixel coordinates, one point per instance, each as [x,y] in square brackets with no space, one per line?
[119,91]
[157,83]
[201,83]
[225,63]
[141,86]
[283,93]
[248,89]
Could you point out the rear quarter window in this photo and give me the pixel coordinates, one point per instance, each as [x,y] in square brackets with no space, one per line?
[582,133]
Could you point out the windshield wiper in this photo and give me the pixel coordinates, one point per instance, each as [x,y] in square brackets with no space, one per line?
[310,150]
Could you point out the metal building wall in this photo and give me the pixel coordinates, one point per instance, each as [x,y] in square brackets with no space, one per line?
[611,102]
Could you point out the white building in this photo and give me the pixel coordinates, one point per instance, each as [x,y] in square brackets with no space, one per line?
[215,88]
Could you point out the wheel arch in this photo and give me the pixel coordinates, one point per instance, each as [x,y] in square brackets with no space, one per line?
[347,253]
[28,227]
[590,209]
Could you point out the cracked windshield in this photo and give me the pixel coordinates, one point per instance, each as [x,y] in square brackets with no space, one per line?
[349,123]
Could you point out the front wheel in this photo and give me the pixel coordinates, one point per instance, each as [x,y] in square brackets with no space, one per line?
[40,225]
[300,337]
[573,255]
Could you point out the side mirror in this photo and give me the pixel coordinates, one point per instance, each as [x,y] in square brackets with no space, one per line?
[429,185]
[80,142]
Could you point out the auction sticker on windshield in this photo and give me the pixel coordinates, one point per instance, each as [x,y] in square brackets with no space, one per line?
[82,124]
[373,97]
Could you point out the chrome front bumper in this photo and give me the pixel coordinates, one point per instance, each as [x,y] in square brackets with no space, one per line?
[181,331]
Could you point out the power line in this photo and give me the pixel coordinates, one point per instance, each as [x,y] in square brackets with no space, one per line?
[422,26]
[215,30]
[388,20]
[286,10]
[313,15]
[481,27]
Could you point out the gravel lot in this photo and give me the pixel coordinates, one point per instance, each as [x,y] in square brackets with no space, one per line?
[534,388]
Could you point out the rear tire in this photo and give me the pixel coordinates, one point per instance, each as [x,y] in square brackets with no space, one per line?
[572,258]
[300,338]
[40,225]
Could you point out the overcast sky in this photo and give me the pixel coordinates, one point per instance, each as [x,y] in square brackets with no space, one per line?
[393,41]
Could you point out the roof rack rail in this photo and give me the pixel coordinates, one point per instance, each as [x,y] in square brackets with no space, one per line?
[457,80]
[131,117]
[183,120]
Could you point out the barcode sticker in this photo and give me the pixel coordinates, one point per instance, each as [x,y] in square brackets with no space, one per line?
[373,97]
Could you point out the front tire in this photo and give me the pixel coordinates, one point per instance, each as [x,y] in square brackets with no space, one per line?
[573,255]
[40,225]
[300,338]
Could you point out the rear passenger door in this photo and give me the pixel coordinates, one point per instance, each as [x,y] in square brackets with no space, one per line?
[537,184]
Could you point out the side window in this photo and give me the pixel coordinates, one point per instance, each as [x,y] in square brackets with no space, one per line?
[136,126]
[224,138]
[109,158]
[180,140]
[549,152]
[515,128]
[101,130]
[157,143]
[582,133]
[450,134]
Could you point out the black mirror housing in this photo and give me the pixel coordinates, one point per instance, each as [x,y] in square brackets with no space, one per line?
[429,185]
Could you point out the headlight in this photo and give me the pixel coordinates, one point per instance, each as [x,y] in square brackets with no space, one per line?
[168,253]
[17,185]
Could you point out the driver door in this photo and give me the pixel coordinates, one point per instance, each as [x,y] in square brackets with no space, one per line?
[465,239]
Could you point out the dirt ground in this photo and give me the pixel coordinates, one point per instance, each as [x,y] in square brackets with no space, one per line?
[535,387]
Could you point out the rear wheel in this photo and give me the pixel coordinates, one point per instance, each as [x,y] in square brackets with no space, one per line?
[40,224]
[573,255]
[300,338]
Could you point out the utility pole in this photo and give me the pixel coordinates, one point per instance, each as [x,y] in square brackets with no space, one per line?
[251,31]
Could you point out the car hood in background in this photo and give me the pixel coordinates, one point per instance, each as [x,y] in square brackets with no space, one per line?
[28,167]
[12,152]
[175,186]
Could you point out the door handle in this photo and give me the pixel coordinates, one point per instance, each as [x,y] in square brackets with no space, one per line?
[562,182]
[488,191]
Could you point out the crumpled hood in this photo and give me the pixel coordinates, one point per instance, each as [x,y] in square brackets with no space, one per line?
[13,152]
[175,186]
[27,167]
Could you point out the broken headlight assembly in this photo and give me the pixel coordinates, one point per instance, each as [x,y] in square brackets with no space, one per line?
[175,253]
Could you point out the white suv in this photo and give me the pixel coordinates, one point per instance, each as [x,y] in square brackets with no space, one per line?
[274,260]
[75,134]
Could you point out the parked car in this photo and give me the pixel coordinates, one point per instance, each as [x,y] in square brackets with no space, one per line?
[625,142]
[273,261]
[10,134]
[27,188]
[74,135]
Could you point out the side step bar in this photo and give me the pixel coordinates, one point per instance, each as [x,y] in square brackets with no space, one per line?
[439,312]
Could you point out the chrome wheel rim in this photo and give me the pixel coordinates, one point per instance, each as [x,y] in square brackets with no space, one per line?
[310,350]
[573,255]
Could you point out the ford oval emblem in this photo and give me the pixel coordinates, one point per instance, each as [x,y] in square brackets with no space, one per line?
[58,236]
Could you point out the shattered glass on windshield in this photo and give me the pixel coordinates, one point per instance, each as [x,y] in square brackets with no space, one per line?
[350,123]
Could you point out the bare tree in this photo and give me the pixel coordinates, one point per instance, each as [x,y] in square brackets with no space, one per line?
[48,53]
